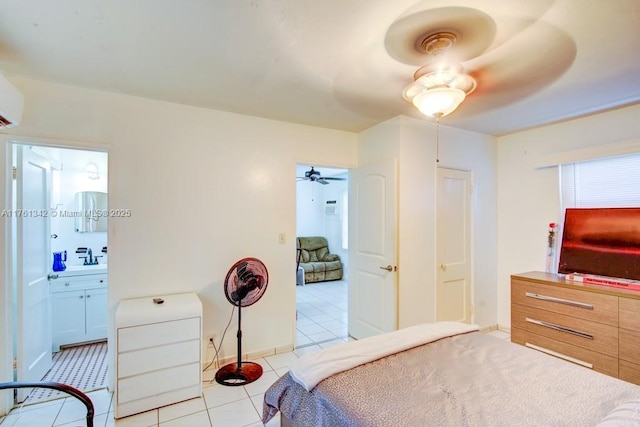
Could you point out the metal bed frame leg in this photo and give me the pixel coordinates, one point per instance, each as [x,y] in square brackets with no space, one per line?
[60,387]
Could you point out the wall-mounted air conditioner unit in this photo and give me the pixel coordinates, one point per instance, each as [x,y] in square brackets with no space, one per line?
[11,104]
[331,207]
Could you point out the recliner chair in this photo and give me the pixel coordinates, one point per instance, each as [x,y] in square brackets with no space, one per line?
[319,265]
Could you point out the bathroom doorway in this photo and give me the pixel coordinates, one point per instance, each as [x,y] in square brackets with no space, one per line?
[322,210]
[59,266]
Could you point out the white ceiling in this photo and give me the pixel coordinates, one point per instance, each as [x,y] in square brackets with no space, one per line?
[339,64]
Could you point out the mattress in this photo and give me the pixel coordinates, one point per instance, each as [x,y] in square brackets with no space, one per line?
[470,379]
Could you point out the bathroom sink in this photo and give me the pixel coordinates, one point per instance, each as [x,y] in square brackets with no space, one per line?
[78,270]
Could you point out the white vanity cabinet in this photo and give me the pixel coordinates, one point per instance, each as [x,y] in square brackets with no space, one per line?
[79,306]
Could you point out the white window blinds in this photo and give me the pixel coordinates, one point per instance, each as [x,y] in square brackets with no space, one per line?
[609,182]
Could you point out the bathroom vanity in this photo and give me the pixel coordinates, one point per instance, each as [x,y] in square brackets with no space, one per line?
[79,305]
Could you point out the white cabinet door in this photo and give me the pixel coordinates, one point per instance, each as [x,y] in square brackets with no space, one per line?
[96,314]
[68,318]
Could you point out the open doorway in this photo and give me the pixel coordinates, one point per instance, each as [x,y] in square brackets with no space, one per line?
[59,265]
[321,218]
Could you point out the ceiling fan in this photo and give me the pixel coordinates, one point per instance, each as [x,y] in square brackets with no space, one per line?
[463,50]
[315,176]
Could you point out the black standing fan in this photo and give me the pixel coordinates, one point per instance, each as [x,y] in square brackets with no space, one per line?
[245,284]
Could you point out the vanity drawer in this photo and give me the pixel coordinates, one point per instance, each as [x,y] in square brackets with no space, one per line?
[599,362]
[591,306]
[75,283]
[579,332]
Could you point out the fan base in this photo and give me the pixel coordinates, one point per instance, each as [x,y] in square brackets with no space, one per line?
[234,375]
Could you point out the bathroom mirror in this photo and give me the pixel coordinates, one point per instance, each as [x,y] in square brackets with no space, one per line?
[91,211]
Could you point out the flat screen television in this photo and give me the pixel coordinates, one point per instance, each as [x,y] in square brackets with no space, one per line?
[601,241]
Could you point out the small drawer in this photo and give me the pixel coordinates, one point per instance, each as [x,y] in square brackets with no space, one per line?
[599,362]
[158,334]
[630,345]
[579,332]
[158,382]
[592,306]
[629,372]
[157,358]
[75,283]
[629,313]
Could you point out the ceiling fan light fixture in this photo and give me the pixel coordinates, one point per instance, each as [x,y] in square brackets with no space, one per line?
[438,101]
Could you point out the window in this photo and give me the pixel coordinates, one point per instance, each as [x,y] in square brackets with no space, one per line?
[609,182]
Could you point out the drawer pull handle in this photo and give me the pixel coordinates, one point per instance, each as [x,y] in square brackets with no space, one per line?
[560,300]
[560,355]
[559,328]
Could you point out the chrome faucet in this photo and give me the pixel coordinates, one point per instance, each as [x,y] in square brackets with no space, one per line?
[89,259]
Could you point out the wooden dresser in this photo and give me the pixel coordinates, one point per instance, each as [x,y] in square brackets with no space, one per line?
[591,325]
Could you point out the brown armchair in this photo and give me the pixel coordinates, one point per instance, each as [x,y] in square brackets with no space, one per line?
[318,264]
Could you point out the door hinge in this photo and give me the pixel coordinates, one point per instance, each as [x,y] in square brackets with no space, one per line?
[15,363]
[15,173]
[471,189]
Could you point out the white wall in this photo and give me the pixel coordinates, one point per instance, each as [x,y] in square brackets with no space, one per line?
[528,198]
[412,142]
[205,189]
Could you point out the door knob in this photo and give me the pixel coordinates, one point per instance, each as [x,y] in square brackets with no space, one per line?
[443,267]
[388,268]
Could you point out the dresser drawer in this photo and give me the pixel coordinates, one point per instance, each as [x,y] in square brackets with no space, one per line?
[579,332]
[157,358]
[630,313]
[158,382]
[599,362]
[156,334]
[592,306]
[630,345]
[630,372]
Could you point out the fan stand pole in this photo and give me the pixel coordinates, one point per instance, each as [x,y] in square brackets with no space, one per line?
[239,373]
[239,335]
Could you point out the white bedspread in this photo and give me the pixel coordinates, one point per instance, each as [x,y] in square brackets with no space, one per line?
[312,368]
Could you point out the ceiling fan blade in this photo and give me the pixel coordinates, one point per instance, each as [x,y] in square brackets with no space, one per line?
[322,181]
[334,178]
[510,73]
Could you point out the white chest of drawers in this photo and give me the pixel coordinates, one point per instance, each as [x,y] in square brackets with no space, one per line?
[158,352]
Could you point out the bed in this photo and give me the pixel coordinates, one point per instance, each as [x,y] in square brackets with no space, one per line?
[455,376]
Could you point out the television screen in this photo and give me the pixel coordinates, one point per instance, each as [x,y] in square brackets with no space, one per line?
[601,241]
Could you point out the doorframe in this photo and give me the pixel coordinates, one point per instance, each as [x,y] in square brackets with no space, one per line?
[344,275]
[6,280]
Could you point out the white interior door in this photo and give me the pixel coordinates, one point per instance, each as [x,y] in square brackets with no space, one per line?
[372,250]
[453,243]
[34,334]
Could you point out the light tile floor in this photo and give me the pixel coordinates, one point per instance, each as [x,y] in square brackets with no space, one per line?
[321,309]
[219,405]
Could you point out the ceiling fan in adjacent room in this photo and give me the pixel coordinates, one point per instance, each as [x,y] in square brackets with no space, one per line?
[315,176]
